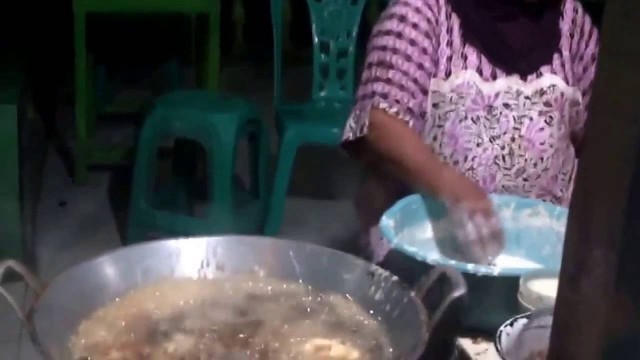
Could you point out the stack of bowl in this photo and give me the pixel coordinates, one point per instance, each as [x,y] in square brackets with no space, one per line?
[526,336]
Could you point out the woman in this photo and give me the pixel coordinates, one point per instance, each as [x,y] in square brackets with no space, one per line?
[462,98]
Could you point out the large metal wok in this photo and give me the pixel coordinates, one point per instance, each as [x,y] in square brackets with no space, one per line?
[76,293]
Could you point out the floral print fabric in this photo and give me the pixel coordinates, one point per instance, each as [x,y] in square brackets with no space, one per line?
[508,135]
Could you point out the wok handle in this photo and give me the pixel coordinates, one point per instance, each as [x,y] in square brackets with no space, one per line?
[30,279]
[458,288]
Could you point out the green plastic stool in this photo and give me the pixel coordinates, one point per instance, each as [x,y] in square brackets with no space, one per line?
[216,122]
[321,120]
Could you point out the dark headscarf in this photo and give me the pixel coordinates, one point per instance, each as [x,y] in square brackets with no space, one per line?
[517,36]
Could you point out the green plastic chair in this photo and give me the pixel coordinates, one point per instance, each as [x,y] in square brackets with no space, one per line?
[216,122]
[321,120]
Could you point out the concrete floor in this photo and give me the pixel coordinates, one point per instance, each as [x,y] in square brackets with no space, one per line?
[76,223]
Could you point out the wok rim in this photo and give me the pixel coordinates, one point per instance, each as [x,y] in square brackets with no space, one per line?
[421,309]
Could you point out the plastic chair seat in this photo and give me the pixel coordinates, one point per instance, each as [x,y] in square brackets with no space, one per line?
[210,103]
[215,121]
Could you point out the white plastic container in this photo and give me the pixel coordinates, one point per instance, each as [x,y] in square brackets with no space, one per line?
[538,290]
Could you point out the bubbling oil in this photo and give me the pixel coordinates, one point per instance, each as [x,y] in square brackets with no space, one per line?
[234,317]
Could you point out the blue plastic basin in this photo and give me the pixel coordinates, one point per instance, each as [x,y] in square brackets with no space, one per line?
[534,236]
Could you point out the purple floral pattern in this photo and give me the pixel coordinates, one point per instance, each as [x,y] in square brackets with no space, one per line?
[507,135]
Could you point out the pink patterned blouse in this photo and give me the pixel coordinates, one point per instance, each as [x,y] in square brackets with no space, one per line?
[509,134]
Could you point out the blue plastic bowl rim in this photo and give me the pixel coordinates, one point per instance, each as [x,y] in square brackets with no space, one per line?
[476,269]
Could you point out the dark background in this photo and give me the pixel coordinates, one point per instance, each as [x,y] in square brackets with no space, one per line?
[42,33]
[38,36]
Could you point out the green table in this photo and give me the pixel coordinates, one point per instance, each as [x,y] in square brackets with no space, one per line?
[86,150]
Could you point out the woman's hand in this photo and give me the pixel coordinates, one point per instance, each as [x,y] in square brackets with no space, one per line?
[476,229]
[405,154]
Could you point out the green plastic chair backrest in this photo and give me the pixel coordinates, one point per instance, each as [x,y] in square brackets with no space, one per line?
[334,26]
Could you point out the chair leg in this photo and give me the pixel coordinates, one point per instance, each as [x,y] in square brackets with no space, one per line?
[286,157]
[144,167]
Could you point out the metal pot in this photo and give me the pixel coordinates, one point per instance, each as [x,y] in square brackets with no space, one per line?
[76,293]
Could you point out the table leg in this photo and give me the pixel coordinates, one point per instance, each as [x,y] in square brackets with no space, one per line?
[91,98]
[81,160]
[212,67]
[239,19]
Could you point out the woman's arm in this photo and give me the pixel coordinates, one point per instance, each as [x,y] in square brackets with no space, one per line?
[410,158]
[478,232]
[383,130]
[401,58]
